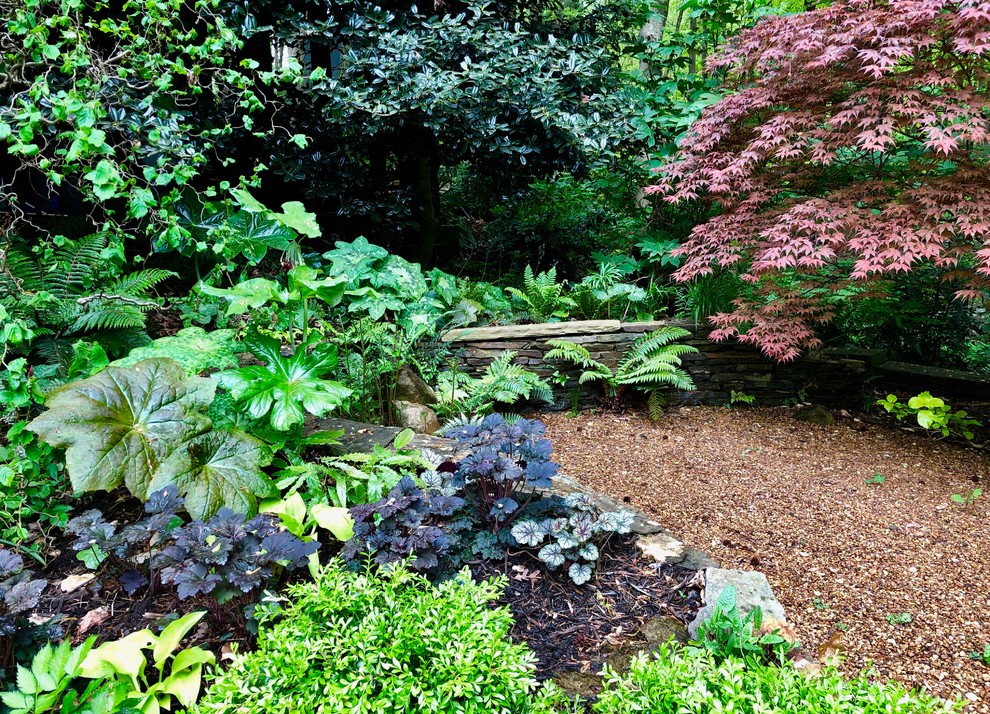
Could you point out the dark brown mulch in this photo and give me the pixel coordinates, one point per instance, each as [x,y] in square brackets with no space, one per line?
[102,608]
[575,628]
[163,322]
[844,552]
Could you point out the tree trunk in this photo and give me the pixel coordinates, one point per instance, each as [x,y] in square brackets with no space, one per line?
[427,209]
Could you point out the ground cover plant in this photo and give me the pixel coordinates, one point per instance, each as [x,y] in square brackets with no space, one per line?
[678,680]
[353,641]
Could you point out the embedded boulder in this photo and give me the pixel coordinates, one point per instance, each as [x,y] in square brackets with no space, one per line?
[410,387]
[752,591]
[815,414]
[418,417]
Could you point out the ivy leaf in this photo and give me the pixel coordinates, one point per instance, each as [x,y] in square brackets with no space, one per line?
[120,424]
[105,179]
[288,386]
[221,468]
[246,201]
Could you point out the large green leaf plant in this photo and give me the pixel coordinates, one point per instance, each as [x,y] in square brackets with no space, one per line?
[146,427]
[285,388]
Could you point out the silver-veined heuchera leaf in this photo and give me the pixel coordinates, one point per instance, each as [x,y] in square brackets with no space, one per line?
[286,387]
[219,468]
[119,425]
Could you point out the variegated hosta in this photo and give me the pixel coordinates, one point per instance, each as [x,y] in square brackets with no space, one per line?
[571,539]
[853,147]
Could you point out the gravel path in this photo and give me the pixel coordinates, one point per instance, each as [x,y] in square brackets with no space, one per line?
[758,490]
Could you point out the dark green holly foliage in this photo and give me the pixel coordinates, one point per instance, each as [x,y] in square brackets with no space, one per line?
[388,95]
[226,556]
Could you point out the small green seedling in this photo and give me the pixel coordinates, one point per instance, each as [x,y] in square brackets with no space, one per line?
[819,604]
[901,618]
[967,499]
[983,656]
[875,480]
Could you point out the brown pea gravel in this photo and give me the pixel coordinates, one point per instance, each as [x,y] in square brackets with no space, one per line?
[758,490]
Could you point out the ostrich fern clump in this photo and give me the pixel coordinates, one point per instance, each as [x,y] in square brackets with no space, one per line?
[652,363]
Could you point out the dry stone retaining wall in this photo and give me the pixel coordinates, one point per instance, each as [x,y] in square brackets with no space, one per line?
[717,369]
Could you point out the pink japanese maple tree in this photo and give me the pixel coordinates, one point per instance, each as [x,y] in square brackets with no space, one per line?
[854,146]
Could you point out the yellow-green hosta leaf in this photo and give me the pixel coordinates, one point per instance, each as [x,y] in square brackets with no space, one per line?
[335,519]
[119,425]
[167,642]
[124,656]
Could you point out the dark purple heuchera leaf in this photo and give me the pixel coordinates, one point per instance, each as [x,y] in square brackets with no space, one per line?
[195,580]
[539,474]
[25,595]
[531,428]
[11,563]
[446,505]
[92,529]
[424,560]
[507,469]
[283,547]
[493,422]
[462,433]
[245,574]
[132,581]
[538,450]
[164,501]
[263,525]
[501,509]
[480,462]
[228,526]
[202,544]
[388,533]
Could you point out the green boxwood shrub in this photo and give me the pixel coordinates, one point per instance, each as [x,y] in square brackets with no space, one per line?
[359,643]
[679,681]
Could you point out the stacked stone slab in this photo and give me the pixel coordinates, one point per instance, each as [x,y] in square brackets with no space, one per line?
[717,369]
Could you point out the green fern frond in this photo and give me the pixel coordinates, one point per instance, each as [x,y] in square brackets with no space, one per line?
[504,381]
[594,375]
[580,356]
[74,267]
[109,316]
[19,274]
[653,361]
[660,337]
[677,378]
[655,405]
[140,282]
